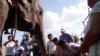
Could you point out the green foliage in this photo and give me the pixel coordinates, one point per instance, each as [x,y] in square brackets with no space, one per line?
[76,38]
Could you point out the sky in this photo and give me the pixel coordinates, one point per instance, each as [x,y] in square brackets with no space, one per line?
[67,14]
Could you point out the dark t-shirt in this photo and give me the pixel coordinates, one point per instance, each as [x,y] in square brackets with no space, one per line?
[66,37]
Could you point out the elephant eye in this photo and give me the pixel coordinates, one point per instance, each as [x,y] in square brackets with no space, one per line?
[29,1]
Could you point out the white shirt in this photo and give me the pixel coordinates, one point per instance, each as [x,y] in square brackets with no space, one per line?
[10,48]
[74,44]
[51,46]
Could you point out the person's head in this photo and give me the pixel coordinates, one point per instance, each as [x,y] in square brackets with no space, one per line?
[16,41]
[10,38]
[50,36]
[26,37]
[92,2]
[55,40]
[21,50]
[81,39]
[62,44]
[62,31]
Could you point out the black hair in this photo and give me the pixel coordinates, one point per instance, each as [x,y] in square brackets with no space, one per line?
[61,43]
[55,39]
[82,39]
[25,35]
[10,36]
[49,35]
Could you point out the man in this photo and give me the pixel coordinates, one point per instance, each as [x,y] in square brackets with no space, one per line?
[50,45]
[91,41]
[26,44]
[65,37]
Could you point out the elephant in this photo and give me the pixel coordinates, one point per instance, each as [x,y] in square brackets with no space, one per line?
[24,15]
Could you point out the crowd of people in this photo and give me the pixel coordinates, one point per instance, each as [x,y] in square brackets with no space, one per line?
[13,48]
[56,47]
[91,42]
[64,46]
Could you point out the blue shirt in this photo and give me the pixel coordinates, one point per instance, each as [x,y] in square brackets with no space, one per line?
[66,37]
[26,45]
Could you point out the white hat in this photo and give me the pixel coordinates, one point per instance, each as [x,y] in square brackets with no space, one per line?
[21,48]
[62,30]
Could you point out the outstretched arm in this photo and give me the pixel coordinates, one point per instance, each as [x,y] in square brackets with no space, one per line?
[6,43]
[93,34]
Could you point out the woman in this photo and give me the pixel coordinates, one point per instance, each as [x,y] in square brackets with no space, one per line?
[10,46]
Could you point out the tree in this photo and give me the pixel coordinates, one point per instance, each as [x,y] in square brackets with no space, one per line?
[76,38]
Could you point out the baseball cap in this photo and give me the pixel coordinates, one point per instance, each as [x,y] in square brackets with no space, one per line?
[62,30]
[21,48]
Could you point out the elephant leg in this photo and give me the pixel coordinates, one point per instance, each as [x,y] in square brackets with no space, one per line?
[1,43]
[0,38]
[1,31]
[38,34]
[3,16]
[1,24]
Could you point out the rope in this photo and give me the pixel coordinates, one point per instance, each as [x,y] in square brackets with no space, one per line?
[85,20]
[86,17]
